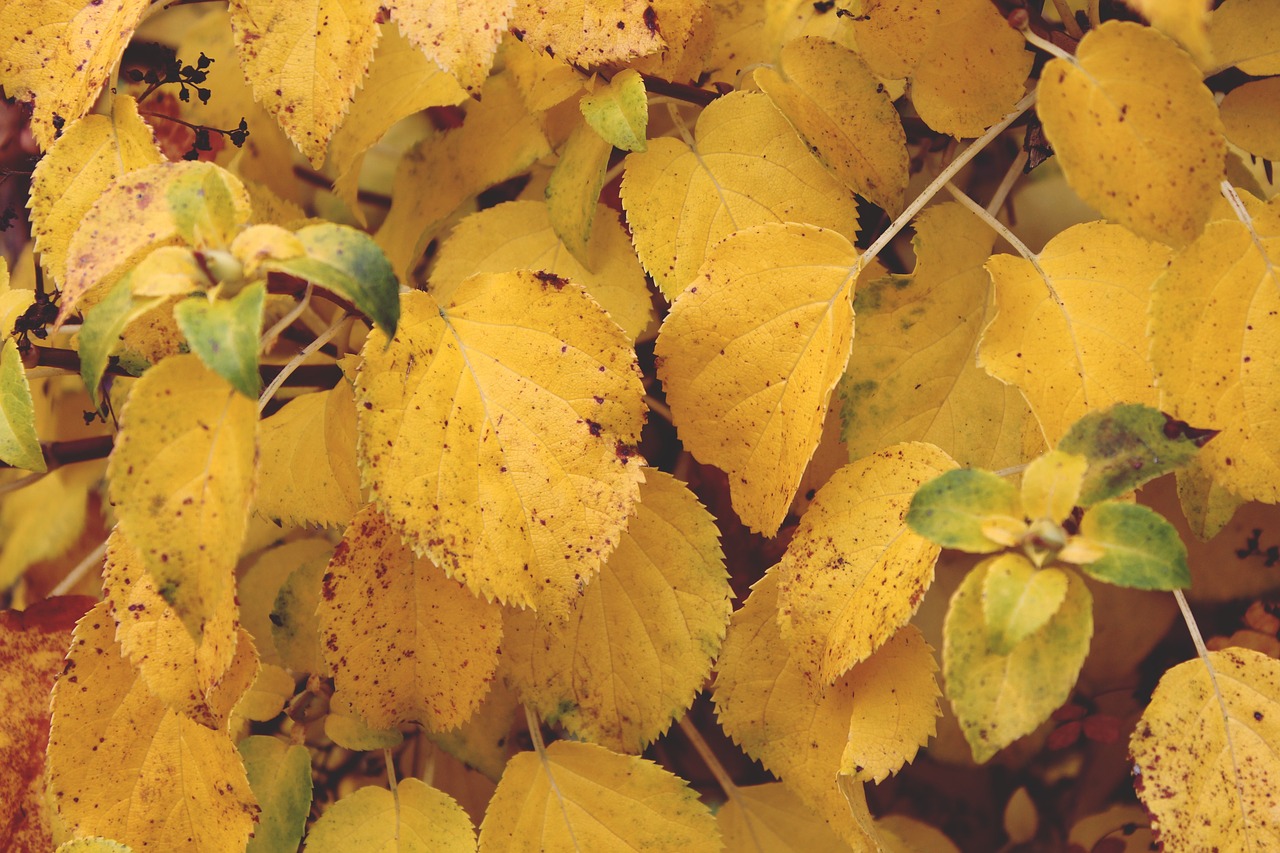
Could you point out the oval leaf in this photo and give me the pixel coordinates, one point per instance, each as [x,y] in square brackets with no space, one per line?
[415,819]
[19,443]
[224,333]
[1140,549]
[959,508]
[280,777]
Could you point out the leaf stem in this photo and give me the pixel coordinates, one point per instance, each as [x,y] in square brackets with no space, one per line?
[1242,213]
[1068,19]
[1048,46]
[22,482]
[77,574]
[679,91]
[269,339]
[994,224]
[708,756]
[535,735]
[1006,183]
[295,362]
[659,408]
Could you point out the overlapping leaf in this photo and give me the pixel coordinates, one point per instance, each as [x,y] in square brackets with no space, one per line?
[415,819]
[19,443]
[770,818]
[1184,21]
[590,32]
[461,38]
[1250,118]
[1246,33]
[280,778]
[260,586]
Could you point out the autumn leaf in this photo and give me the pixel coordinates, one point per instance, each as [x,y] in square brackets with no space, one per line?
[573,188]
[456,420]
[1249,117]
[1244,33]
[224,334]
[967,509]
[1184,21]
[261,582]
[295,624]
[750,353]
[280,778]
[770,818]
[19,443]
[415,818]
[619,111]
[589,32]
[1140,549]
[460,38]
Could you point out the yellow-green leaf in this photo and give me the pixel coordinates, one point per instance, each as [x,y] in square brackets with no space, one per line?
[295,626]
[1204,753]
[1000,689]
[280,777]
[208,206]
[749,356]
[181,480]
[1051,485]
[619,111]
[261,583]
[405,642]
[266,697]
[461,38]
[589,32]
[1246,33]
[1140,549]
[963,508]
[1251,117]
[1070,329]
[640,641]
[574,188]
[498,434]
[41,521]
[1018,600]
[1145,149]
[743,167]
[19,443]
[840,108]
[345,727]
[123,766]
[224,334]
[416,818]
[584,797]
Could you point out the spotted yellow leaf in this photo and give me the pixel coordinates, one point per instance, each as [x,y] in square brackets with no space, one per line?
[743,166]
[460,38]
[749,356]
[583,797]
[405,642]
[181,480]
[1145,149]
[261,582]
[1070,326]
[589,32]
[640,642]
[123,766]
[416,818]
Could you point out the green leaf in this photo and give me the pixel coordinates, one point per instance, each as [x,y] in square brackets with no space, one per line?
[1018,599]
[348,263]
[280,777]
[19,444]
[1128,445]
[224,333]
[415,819]
[93,844]
[959,509]
[620,111]
[1140,548]
[208,206]
[100,331]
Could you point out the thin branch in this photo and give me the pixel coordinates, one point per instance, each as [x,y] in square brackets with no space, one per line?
[1068,19]
[708,756]
[22,482]
[60,453]
[307,176]
[269,338]
[296,362]
[658,407]
[679,91]
[1006,183]
[308,375]
[77,574]
[535,735]
[994,224]
[1048,46]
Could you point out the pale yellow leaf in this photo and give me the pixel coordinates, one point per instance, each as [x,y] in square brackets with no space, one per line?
[518,235]
[41,521]
[497,432]
[584,797]
[1184,21]
[543,81]
[619,111]
[1207,505]
[687,27]
[841,597]
[1251,116]
[1215,346]
[459,37]
[266,697]
[744,166]
[913,374]
[589,32]
[405,643]
[640,641]
[770,818]
[1246,33]
[1051,485]
[295,627]
[750,353]
[304,60]
[1070,329]
[261,583]
[59,53]
[121,765]
[416,818]
[307,460]
[838,106]
[1205,753]
[573,189]
[1144,149]
[84,161]
[181,480]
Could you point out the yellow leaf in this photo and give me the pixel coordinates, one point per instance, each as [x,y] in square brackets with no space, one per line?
[1251,117]
[841,597]
[345,727]
[1145,149]
[123,766]
[1051,485]
[459,37]
[41,521]
[405,642]
[499,138]
[967,66]
[750,353]
[19,442]
[1070,326]
[295,627]
[484,741]
[415,818]
[181,480]
[687,27]
[261,582]
[543,80]
[1184,21]
[838,106]
[584,797]
[402,81]
[640,641]
[763,703]
[589,32]
[1005,677]
[498,434]
[913,374]
[304,59]
[1246,33]
[574,188]
[84,161]
[266,697]
[619,111]
[770,818]
[1205,753]
[902,834]
[1216,352]
[59,53]
[307,460]
[744,166]
[518,235]
[1206,504]
[13,301]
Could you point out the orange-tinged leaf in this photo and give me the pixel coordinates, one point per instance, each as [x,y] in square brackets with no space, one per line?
[1205,753]
[33,643]
[123,766]
[1070,326]
[460,37]
[589,32]
[744,166]
[749,356]
[1251,117]
[79,166]
[584,797]
[837,105]
[59,53]
[416,818]
[841,596]
[304,59]
[640,641]
[1216,349]
[1145,149]
[405,642]
[181,480]
[1246,33]
[498,434]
